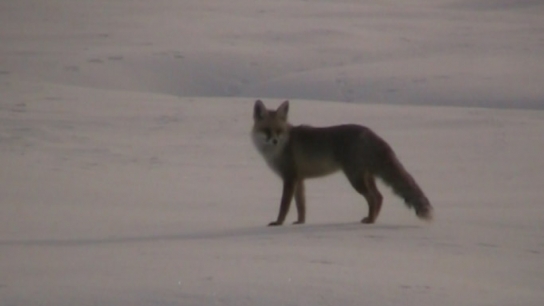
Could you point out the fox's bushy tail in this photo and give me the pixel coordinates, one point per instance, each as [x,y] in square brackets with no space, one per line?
[393,173]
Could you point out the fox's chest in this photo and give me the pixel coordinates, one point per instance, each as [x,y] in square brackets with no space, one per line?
[276,165]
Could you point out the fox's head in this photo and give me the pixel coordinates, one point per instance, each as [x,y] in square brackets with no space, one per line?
[270,128]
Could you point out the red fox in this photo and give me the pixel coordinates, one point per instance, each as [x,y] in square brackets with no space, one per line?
[299,152]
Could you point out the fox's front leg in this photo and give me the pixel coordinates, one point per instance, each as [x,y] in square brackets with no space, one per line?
[300,201]
[287,196]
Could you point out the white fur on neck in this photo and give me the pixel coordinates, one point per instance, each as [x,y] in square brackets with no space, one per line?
[270,152]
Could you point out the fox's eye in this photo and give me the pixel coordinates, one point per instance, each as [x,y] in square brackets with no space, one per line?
[278,131]
[268,133]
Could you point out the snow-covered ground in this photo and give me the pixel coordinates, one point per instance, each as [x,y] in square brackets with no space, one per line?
[128,176]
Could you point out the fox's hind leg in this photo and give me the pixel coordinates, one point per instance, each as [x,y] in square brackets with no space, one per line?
[366,186]
[376,199]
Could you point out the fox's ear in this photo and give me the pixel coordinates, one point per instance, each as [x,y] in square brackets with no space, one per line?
[283,109]
[259,110]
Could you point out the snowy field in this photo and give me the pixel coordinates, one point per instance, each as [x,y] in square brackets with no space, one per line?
[128,176]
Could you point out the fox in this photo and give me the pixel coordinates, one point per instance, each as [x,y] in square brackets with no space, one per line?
[296,153]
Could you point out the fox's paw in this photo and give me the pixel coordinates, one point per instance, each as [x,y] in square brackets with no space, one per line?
[425,214]
[275,223]
[367,220]
[298,222]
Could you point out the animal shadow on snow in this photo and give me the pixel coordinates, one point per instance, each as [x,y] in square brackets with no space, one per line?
[234,233]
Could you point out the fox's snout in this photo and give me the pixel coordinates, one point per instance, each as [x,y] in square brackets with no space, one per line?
[273,140]
[269,141]
[271,137]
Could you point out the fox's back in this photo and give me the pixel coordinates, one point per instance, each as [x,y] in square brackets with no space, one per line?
[318,151]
